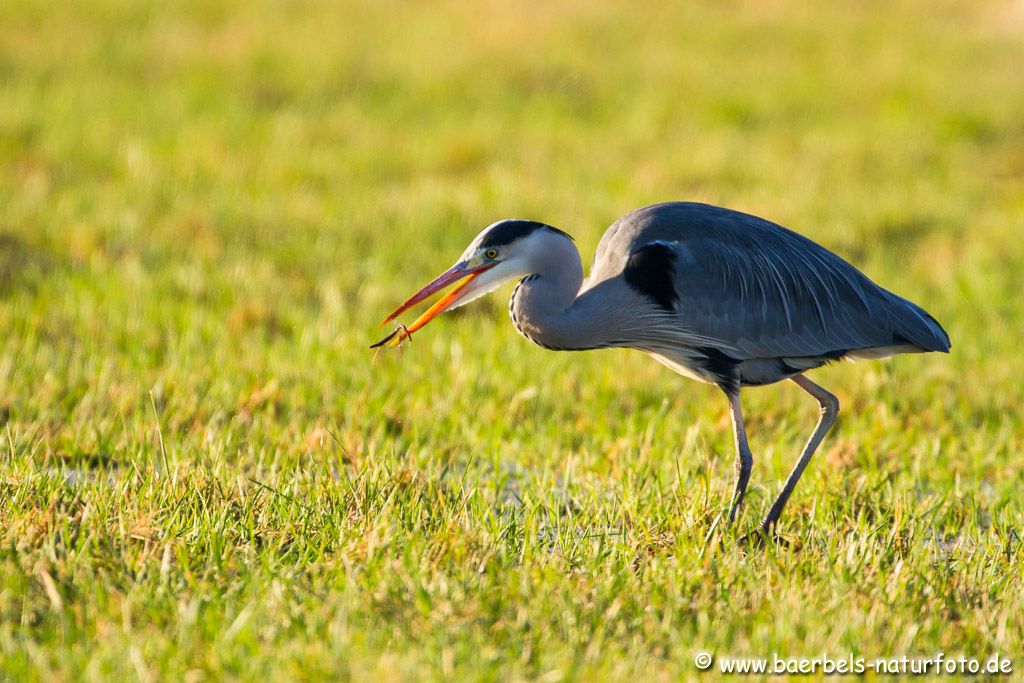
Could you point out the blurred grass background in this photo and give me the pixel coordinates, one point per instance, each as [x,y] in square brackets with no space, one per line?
[206,207]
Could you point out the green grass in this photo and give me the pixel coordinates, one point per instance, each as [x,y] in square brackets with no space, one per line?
[206,207]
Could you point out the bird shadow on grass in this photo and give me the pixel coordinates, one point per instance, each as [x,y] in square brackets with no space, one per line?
[89,467]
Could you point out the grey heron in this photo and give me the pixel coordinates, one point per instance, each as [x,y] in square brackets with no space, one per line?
[716,295]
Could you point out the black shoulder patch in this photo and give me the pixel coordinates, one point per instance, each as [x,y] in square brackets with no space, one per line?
[506,232]
[649,271]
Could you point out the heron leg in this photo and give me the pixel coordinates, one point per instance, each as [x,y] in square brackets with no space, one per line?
[744,460]
[829,409]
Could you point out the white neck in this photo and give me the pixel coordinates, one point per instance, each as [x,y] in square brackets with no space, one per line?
[544,306]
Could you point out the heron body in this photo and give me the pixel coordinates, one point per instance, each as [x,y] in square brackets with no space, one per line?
[717,295]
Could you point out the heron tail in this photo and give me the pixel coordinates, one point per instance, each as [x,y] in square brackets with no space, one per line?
[919,328]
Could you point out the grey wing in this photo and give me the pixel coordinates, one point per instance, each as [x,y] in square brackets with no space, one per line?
[755,288]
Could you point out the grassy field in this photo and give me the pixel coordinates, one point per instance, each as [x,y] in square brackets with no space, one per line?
[206,207]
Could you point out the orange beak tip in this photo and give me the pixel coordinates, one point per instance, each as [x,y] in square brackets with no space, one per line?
[457,275]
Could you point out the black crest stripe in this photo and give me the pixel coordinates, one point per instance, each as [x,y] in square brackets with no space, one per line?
[649,271]
[509,231]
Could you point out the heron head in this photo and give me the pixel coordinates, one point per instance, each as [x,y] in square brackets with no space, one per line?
[503,251]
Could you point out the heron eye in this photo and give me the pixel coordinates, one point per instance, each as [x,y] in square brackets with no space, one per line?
[491,253]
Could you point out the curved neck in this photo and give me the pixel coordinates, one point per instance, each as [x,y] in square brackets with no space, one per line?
[544,306]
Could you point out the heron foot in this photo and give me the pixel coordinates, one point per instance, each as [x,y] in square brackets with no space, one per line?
[761,537]
[734,509]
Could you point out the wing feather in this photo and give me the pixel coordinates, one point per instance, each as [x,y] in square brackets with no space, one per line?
[757,290]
